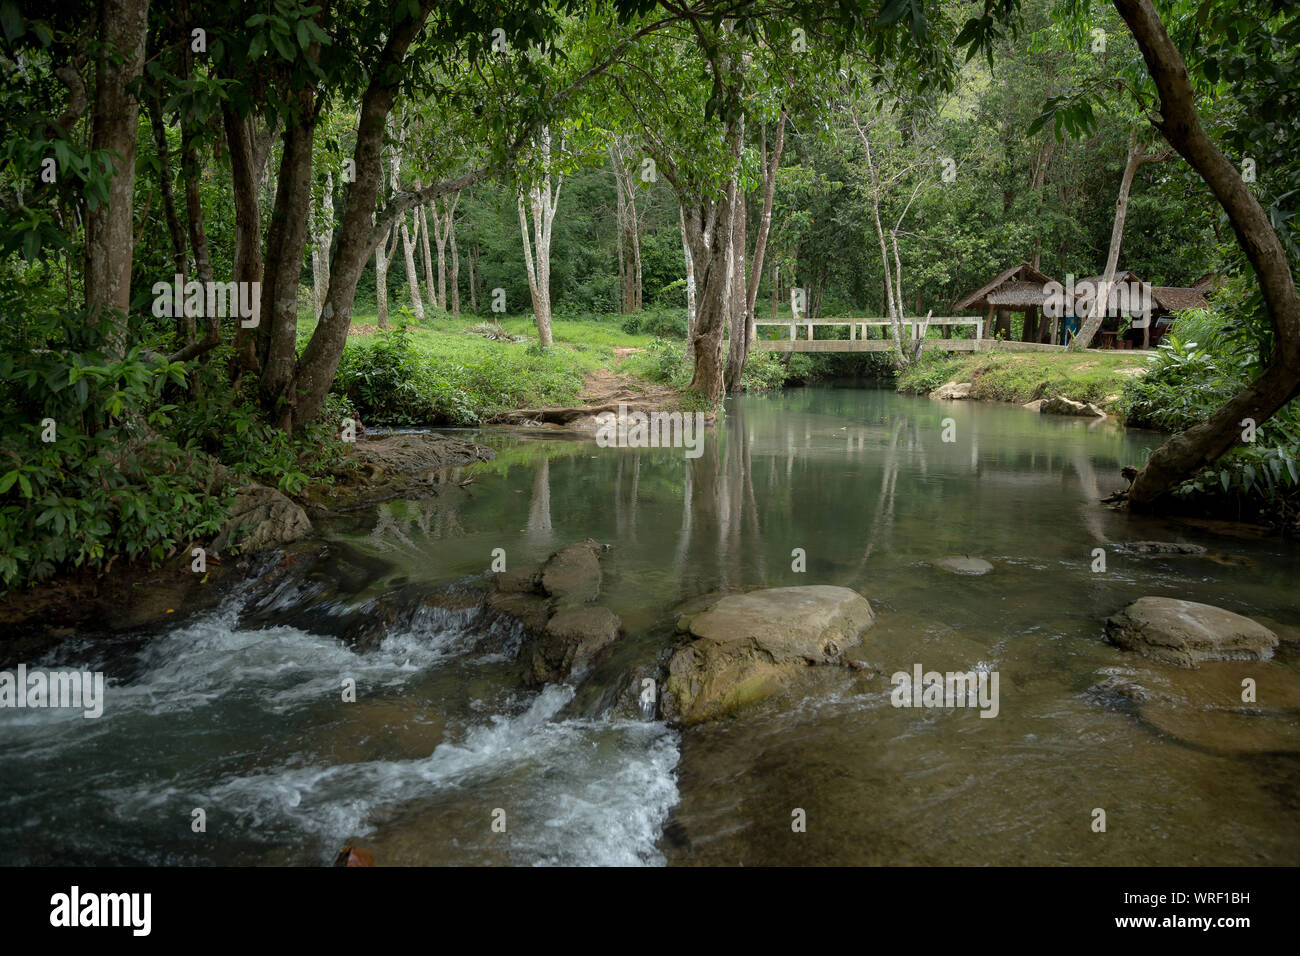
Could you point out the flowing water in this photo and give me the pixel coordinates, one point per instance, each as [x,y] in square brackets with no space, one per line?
[445,759]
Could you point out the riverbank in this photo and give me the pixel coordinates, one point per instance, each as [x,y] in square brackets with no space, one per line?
[1094,377]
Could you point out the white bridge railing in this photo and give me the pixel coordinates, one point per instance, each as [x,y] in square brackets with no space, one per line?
[913,325]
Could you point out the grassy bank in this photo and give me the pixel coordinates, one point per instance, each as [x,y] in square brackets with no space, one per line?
[447,371]
[1020,377]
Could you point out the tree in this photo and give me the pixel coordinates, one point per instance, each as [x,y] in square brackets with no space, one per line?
[1137,157]
[541,198]
[1178,121]
[628,227]
[110,240]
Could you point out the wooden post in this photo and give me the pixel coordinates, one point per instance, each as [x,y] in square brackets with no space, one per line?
[809,331]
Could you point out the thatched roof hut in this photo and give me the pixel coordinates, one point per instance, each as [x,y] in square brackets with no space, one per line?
[1022,288]
[1164,298]
[1018,288]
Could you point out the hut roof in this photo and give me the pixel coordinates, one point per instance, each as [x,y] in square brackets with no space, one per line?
[1205,283]
[1123,275]
[1176,299]
[1021,287]
[1017,295]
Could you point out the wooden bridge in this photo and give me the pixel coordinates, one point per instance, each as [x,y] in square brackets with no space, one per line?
[858,341]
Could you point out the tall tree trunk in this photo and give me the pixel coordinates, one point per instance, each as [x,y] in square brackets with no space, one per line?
[110,247]
[357,237]
[455,271]
[247,163]
[543,201]
[285,244]
[714,278]
[473,279]
[629,229]
[690,279]
[384,253]
[430,288]
[322,234]
[1137,157]
[176,232]
[412,276]
[1182,455]
[892,310]
[191,172]
[738,346]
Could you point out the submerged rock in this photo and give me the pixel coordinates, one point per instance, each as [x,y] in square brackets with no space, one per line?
[260,518]
[1159,547]
[963,565]
[1232,708]
[747,647]
[1185,633]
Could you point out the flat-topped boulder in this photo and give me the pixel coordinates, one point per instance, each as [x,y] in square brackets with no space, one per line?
[747,647]
[1185,633]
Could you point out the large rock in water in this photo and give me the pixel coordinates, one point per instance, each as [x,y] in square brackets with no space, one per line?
[572,575]
[1185,633]
[1059,405]
[261,517]
[571,640]
[748,647]
[950,391]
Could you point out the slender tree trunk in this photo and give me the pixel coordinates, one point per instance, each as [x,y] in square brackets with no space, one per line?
[537,253]
[384,253]
[473,278]
[285,244]
[175,231]
[357,236]
[412,276]
[109,247]
[1137,157]
[430,290]
[321,237]
[247,163]
[690,279]
[455,270]
[738,347]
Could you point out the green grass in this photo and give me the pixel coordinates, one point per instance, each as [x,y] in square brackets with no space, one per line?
[1021,377]
[449,376]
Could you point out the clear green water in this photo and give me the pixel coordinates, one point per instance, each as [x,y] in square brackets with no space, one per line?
[246,720]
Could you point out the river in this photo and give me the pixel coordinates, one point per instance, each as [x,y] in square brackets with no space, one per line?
[444,759]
